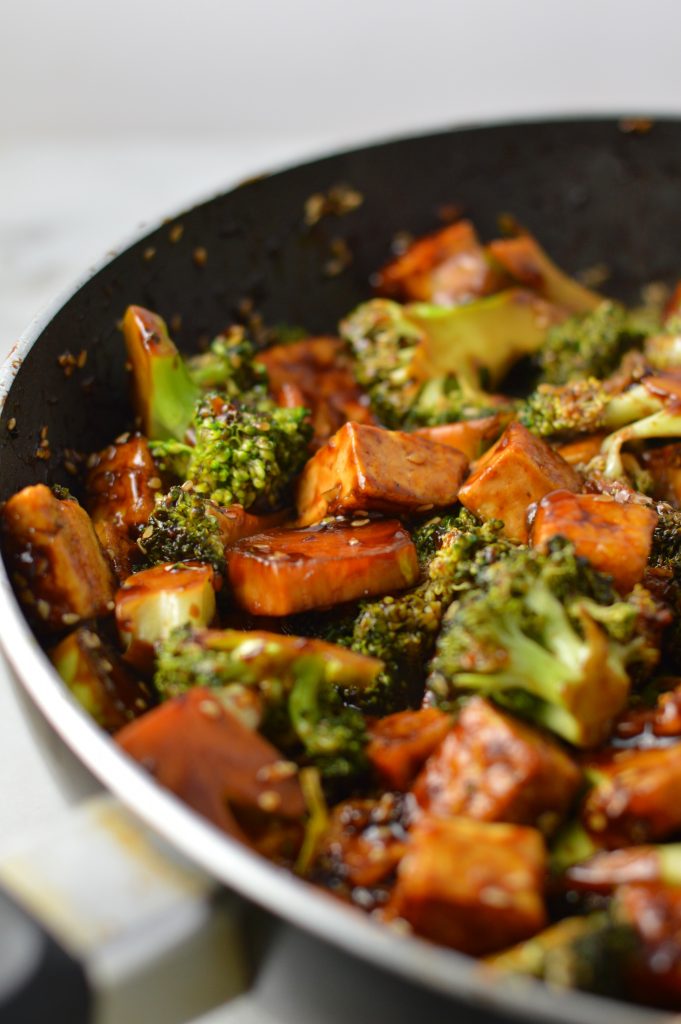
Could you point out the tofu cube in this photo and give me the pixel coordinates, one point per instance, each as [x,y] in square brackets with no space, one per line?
[471,437]
[664,465]
[614,536]
[54,559]
[493,767]
[399,744]
[287,571]
[471,885]
[635,796]
[519,470]
[368,468]
[152,603]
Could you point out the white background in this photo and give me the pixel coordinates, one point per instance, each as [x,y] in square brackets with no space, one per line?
[115,112]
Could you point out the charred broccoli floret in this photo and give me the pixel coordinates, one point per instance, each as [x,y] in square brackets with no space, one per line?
[183,527]
[300,684]
[557,411]
[247,456]
[666,549]
[228,366]
[401,630]
[591,345]
[545,635]
[423,364]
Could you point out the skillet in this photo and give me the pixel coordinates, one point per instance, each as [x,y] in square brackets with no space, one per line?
[591,191]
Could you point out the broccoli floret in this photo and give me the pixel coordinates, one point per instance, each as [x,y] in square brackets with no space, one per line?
[333,735]
[448,400]
[401,630]
[591,345]
[228,366]
[171,457]
[666,548]
[383,342]
[164,393]
[301,685]
[183,527]
[247,456]
[591,953]
[561,411]
[545,635]
[423,364]
[656,418]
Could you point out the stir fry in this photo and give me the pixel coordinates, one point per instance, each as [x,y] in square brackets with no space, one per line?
[400,608]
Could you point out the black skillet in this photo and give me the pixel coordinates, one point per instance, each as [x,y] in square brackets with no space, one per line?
[594,192]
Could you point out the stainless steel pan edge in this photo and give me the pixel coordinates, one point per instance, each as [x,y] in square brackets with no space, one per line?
[283,894]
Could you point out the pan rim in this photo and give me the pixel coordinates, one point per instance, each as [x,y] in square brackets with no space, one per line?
[444,971]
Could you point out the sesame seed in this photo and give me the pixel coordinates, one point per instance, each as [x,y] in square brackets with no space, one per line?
[149,253]
[268,800]
[209,708]
[12,423]
[200,256]
[43,609]
[155,483]
[70,618]
[175,233]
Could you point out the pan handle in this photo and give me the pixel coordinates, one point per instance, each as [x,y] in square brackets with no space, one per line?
[107,923]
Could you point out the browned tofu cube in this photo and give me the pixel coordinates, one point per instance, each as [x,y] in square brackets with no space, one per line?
[662,719]
[363,843]
[316,373]
[664,465]
[368,468]
[635,798]
[519,470]
[654,967]
[582,450]
[614,536]
[494,768]
[471,437]
[400,743]
[99,679]
[152,603]
[288,571]
[446,267]
[54,558]
[120,485]
[471,885]
[227,772]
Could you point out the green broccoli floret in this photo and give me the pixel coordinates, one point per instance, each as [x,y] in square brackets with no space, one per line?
[301,684]
[228,366]
[383,342]
[184,527]
[561,411]
[448,400]
[333,735]
[656,418]
[591,953]
[591,345]
[666,548]
[247,456]
[545,635]
[423,364]
[401,630]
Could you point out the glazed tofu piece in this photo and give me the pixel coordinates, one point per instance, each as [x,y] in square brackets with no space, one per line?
[371,469]
[524,259]
[54,558]
[205,755]
[662,719]
[154,602]
[446,267]
[492,767]
[582,450]
[472,437]
[519,470]
[287,571]
[664,465]
[364,842]
[614,536]
[316,373]
[120,485]
[634,798]
[654,913]
[399,744]
[98,678]
[472,885]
